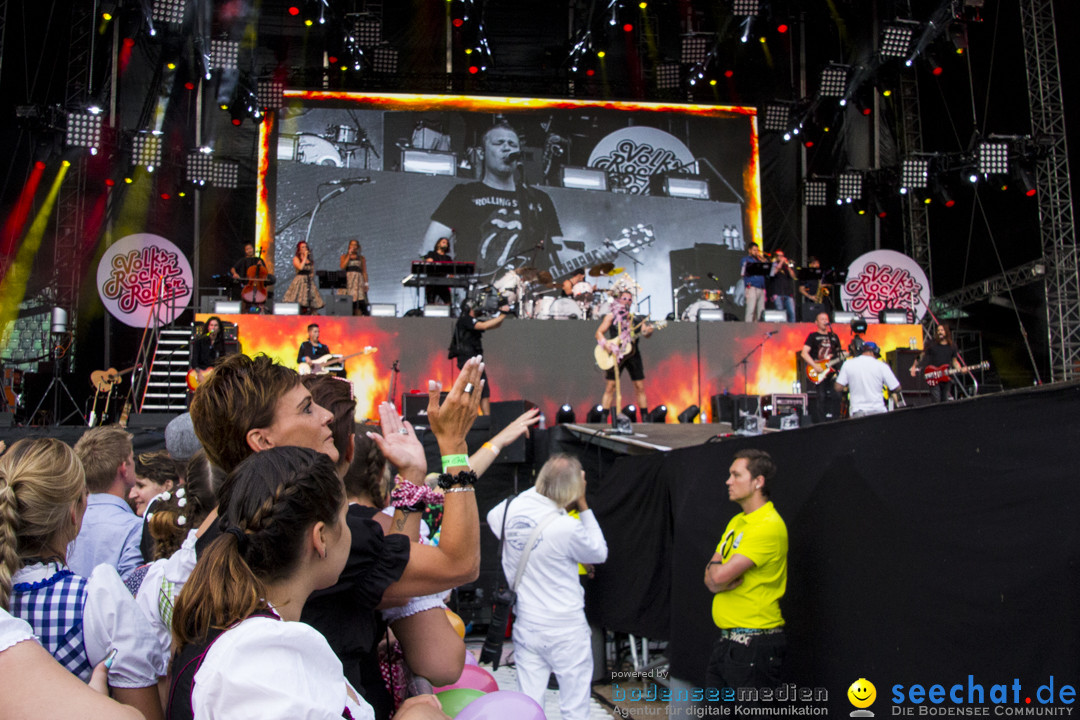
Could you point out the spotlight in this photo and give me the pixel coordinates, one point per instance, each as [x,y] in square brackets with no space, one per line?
[689,414]
[914,174]
[695,47]
[270,94]
[1027,180]
[224,54]
[777,118]
[630,411]
[565,415]
[658,414]
[746,7]
[168,11]
[595,415]
[896,39]
[384,59]
[84,130]
[146,150]
[850,186]
[667,76]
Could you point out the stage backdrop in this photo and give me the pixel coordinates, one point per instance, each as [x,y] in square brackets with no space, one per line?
[342,166]
[550,362]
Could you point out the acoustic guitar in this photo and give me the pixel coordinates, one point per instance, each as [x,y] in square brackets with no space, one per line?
[605,360]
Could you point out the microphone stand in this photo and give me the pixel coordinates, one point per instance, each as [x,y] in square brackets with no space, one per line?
[746,361]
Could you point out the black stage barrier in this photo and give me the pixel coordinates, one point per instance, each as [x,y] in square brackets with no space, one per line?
[926,545]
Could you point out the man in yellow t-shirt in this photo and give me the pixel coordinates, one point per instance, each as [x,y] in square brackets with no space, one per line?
[748,574]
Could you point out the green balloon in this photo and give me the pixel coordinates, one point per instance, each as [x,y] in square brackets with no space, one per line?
[454,700]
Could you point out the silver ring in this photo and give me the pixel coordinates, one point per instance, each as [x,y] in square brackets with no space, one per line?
[403,431]
[468,387]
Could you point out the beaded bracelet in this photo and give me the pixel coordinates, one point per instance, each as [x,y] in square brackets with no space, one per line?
[466,477]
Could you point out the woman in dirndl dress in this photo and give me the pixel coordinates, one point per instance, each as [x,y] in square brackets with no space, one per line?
[303,288]
[355,266]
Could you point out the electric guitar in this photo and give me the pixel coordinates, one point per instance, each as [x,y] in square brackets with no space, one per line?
[196,377]
[629,239]
[321,365]
[830,367]
[605,359]
[935,374]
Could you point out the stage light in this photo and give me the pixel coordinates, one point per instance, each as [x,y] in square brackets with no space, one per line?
[224,54]
[689,414]
[782,28]
[1027,180]
[993,157]
[595,415]
[833,81]
[270,94]
[293,10]
[630,411]
[815,193]
[657,414]
[84,130]
[914,174]
[745,7]
[628,27]
[893,316]
[383,310]
[146,150]
[695,46]
[695,187]
[440,311]
[168,11]
[896,39]
[667,76]
[777,118]
[583,178]
[565,415]
[849,186]
[199,167]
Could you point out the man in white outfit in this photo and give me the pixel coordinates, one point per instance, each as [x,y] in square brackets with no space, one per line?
[550,630]
[864,377]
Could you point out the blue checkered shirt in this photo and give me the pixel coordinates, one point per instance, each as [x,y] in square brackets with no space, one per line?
[54,608]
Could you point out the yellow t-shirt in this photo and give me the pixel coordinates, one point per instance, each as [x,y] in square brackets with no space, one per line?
[762,537]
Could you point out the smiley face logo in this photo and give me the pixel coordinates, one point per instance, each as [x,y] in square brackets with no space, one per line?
[862,693]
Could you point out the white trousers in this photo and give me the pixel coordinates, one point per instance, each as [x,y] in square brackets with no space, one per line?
[755,303]
[566,651]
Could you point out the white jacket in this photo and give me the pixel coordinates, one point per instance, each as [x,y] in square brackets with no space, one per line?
[550,592]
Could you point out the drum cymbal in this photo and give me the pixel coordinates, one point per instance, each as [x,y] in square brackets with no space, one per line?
[601,269]
[616,271]
[689,278]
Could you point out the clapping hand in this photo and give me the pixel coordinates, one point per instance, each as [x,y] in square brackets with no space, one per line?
[399,444]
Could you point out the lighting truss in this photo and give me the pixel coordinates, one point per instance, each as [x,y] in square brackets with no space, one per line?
[745,7]
[146,149]
[224,54]
[667,76]
[896,39]
[84,130]
[815,193]
[384,59]
[834,81]
[914,174]
[168,11]
[695,47]
[849,186]
[777,118]
[270,94]
[993,158]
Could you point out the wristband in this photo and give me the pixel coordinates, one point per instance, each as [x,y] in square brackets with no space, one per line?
[449,461]
[447,481]
[493,448]
[466,488]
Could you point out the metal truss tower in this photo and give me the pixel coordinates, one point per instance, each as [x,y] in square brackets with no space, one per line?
[916,216]
[1057,232]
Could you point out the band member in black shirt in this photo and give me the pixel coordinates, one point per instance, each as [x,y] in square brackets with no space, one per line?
[822,346]
[469,342]
[438,294]
[942,353]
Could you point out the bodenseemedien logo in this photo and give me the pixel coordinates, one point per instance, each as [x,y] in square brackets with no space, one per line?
[862,695]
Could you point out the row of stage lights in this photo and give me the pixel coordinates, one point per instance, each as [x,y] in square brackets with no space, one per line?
[999,162]
[600,414]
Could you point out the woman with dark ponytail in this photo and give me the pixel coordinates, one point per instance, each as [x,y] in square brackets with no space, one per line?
[240,651]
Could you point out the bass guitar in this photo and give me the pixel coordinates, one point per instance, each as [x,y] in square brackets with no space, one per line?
[322,365]
[935,374]
[830,367]
[605,359]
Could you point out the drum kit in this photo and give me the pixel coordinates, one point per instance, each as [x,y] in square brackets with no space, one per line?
[698,298]
[533,293]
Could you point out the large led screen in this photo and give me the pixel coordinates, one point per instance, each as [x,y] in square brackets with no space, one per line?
[666,194]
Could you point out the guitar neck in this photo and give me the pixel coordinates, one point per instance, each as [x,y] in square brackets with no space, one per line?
[592,257]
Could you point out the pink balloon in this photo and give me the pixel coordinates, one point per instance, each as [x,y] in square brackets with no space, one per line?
[501,705]
[470,659]
[474,678]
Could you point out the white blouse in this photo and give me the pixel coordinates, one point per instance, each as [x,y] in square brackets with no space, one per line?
[162,585]
[269,668]
[13,630]
[111,619]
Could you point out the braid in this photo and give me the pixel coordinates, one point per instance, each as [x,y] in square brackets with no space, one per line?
[365,475]
[193,502]
[9,527]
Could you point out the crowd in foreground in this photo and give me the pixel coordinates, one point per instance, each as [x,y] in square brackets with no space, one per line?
[279,570]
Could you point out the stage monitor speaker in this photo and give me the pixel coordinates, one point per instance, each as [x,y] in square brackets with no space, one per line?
[414,406]
[502,414]
[383,310]
[775,316]
[150,420]
[728,408]
[901,360]
[230,331]
[208,302]
[340,305]
[227,307]
[284,308]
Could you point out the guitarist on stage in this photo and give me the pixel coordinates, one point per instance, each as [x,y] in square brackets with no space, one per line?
[941,353]
[820,347]
[616,335]
[207,348]
[311,349]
